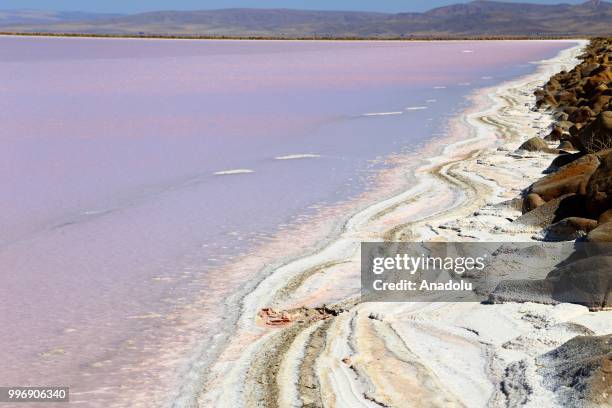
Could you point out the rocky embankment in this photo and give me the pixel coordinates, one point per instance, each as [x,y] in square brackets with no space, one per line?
[578,188]
[574,202]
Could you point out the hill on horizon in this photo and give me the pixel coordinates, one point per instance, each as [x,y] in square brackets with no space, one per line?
[477,18]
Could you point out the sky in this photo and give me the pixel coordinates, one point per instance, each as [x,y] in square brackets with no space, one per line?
[134,6]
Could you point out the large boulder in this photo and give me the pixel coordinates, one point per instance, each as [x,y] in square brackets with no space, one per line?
[545,98]
[605,217]
[566,97]
[579,372]
[523,290]
[586,281]
[599,188]
[601,234]
[603,75]
[569,179]
[598,102]
[570,205]
[564,159]
[597,135]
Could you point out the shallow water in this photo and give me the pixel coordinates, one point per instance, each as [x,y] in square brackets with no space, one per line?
[131,168]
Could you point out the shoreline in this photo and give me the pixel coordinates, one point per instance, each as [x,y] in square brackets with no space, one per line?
[260,348]
[154,353]
[291,39]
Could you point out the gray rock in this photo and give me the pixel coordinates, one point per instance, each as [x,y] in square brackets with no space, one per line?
[578,372]
[587,282]
[569,229]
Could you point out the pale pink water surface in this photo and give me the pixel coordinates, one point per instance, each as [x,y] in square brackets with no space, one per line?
[110,211]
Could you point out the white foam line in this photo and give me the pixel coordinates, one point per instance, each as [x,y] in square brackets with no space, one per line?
[432,100]
[234,171]
[297,156]
[97,212]
[467,51]
[413,108]
[382,114]
[439,87]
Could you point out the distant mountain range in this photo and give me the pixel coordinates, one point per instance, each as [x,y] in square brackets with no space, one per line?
[26,17]
[478,18]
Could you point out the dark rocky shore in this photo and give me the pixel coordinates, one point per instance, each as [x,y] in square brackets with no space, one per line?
[573,202]
[578,188]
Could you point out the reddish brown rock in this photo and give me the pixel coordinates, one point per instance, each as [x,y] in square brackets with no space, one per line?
[603,233]
[599,188]
[598,102]
[605,217]
[546,99]
[571,178]
[581,115]
[602,77]
[271,317]
[597,135]
[566,97]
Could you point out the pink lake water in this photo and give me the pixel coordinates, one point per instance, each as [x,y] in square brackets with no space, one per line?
[111,210]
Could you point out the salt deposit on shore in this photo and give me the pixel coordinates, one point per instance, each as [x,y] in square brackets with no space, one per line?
[289,349]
